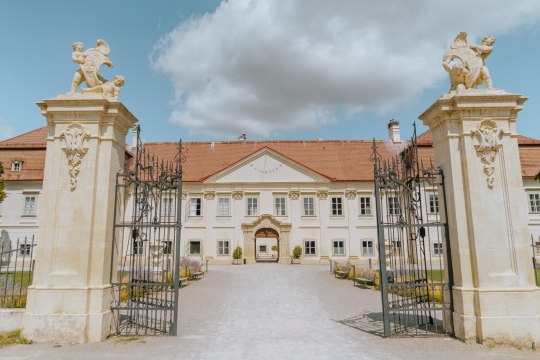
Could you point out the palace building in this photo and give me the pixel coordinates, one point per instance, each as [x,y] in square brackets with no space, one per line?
[316,194]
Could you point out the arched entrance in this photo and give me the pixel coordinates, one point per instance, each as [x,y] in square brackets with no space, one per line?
[266,245]
[266,225]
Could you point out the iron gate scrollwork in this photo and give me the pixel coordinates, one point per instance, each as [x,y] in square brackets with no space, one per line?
[146,244]
[414,249]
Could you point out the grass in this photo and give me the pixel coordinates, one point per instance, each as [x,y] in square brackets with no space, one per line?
[13,288]
[12,338]
[538,277]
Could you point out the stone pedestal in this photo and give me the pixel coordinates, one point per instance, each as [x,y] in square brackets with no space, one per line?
[70,298]
[475,143]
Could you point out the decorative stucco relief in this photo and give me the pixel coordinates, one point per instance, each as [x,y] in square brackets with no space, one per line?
[488,136]
[237,195]
[322,194]
[74,137]
[184,195]
[210,195]
[294,195]
[351,194]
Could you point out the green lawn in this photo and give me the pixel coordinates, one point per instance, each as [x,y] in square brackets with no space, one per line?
[538,277]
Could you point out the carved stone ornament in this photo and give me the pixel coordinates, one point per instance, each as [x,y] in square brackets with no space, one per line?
[322,194]
[294,195]
[210,195]
[184,195]
[488,137]
[351,194]
[237,195]
[74,137]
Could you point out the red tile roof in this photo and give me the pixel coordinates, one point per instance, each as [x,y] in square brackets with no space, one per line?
[337,160]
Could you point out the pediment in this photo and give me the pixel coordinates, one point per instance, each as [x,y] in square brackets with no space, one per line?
[266,166]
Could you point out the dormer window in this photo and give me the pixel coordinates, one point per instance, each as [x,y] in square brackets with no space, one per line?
[16,165]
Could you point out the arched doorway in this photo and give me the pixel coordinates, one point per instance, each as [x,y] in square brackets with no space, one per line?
[267,221]
[266,245]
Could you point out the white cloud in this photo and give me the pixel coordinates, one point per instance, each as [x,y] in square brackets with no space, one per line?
[6,130]
[270,66]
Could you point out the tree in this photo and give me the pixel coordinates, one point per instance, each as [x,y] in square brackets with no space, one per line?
[2,186]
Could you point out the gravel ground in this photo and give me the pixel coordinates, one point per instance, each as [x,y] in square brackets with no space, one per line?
[272,311]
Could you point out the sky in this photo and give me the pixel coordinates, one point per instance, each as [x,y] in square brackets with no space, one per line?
[205,70]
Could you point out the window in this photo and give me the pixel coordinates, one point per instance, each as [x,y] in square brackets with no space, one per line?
[337,206]
[437,248]
[167,206]
[167,247]
[309,206]
[24,249]
[534,202]
[434,203]
[224,208]
[30,205]
[339,247]
[16,165]
[252,208]
[194,247]
[195,207]
[393,205]
[365,205]
[262,248]
[309,247]
[279,206]
[367,248]
[223,247]
[138,247]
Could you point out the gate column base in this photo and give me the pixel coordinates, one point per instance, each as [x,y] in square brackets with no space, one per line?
[70,299]
[476,144]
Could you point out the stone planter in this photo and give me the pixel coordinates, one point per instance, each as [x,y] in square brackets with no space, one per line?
[296,261]
[238,261]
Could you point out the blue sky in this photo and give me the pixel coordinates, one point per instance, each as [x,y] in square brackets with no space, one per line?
[281,70]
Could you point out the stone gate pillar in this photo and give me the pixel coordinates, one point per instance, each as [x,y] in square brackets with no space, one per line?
[70,298]
[475,143]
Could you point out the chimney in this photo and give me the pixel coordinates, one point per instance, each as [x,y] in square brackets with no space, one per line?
[393,130]
[135,136]
[242,137]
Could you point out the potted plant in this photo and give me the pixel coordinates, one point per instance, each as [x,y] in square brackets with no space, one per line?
[297,252]
[237,256]
[274,249]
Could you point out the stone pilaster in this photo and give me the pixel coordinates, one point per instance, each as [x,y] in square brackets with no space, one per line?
[475,143]
[70,298]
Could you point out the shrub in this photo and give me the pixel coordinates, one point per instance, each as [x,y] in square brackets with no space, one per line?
[274,248]
[297,252]
[237,253]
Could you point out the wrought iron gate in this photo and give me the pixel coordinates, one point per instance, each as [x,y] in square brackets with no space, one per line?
[414,250]
[146,244]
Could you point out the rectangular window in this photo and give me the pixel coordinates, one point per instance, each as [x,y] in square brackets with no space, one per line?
[194,247]
[224,208]
[309,206]
[252,208]
[393,205]
[367,248]
[16,166]
[365,205]
[339,247]
[279,206]
[223,247]
[534,202]
[437,248]
[309,247]
[167,207]
[434,203]
[262,248]
[167,247]
[195,207]
[337,206]
[30,205]
[138,247]
[24,249]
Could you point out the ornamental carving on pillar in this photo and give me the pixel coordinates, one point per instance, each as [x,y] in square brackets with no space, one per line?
[488,136]
[74,137]
[184,195]
[351,194]
[209,195]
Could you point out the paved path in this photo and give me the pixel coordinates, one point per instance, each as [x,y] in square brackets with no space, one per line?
[271,311]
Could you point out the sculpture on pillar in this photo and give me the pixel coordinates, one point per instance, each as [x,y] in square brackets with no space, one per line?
[89,63]
[465,63]
[488,136]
